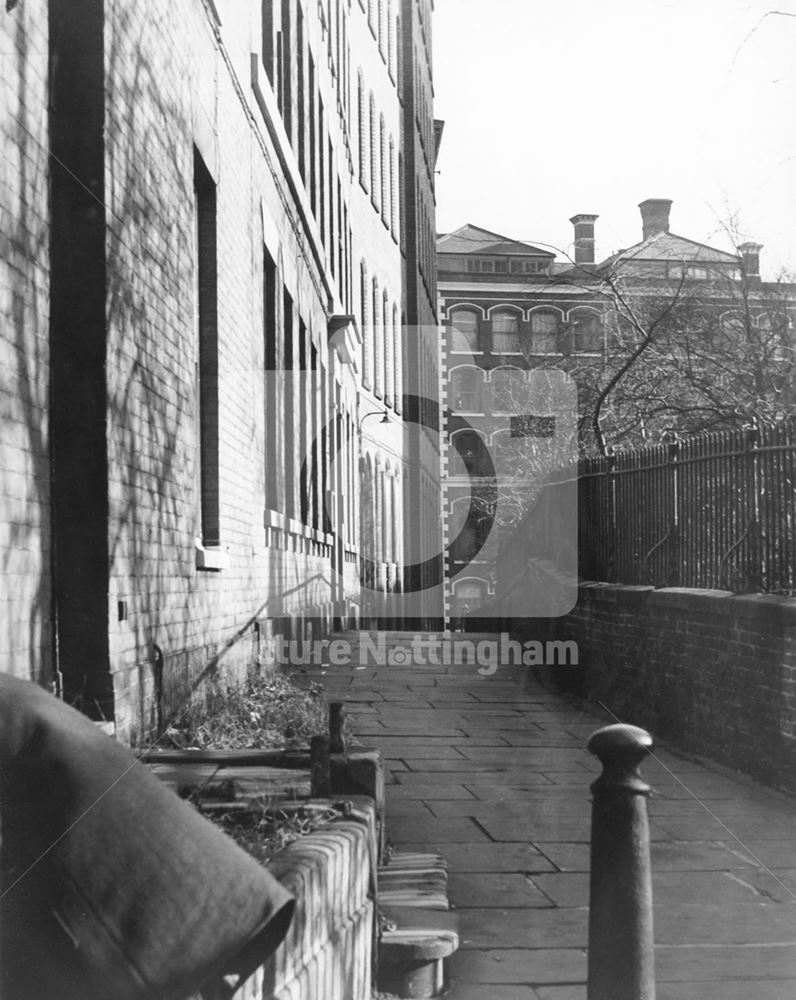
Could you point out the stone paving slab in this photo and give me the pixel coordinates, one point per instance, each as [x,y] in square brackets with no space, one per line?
[487,857]
[492,773]
[510,991]
[517,965]
[495,889]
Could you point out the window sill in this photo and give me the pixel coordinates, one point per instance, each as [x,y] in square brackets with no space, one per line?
[508,354]
[212,558]
[467,354]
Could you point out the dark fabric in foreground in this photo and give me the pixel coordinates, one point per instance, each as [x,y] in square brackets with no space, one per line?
[113,887]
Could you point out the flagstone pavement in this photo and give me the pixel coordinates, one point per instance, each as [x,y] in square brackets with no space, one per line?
[492,773]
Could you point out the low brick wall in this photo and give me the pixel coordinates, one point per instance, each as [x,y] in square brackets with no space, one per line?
[711,672]
[328,950]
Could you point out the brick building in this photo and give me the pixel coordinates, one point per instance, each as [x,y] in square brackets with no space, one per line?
[203,295]
[720,349]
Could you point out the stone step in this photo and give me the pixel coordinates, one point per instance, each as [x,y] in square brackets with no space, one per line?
[418,880]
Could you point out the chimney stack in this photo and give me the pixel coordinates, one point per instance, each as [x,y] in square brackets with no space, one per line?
[750,259]
[655,216]
[584,237]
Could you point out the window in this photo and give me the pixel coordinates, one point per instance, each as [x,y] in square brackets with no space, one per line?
[389,348]
[505,332]
[464,331]
[385,173]
[507,395]
[393,192]
[585,332]
[268,40]
[480,265]
[367,328]
[466,597]
[397,359]
[469,455]
[391,40]
[374,154]
[378,342]
[466,390]
[508,454]
[520,266]
[363,133]
[289,394]
[677,272]
[206,277]
[270,364]
[544,332]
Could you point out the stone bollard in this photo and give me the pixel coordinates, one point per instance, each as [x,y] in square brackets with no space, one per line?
[621,964]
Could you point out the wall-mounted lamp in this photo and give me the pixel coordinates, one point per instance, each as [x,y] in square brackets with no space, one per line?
[385,417]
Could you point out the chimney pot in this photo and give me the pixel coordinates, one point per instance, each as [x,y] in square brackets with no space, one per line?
[655,216]
[584,237]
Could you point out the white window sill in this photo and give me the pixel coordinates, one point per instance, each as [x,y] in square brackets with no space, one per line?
[212,558]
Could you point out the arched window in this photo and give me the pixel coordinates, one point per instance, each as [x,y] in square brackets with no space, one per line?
[390,39]
[367,328]
[363,132]
[465,390]
[505,332]
[469,455]
[393,192]
[389,349]
[385,172]
[507,454]
[375,187]
[467,596]
[544,332]
[507,390]
[464,331]
[585,331]
[398,381]
[378,342]
[382,29]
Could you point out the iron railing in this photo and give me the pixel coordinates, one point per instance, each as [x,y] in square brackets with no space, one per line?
[716,510]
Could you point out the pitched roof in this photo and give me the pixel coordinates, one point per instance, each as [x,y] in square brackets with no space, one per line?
[670,247]
[473,239]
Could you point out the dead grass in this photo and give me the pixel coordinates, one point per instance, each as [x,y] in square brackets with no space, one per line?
[263,830]
[267,712]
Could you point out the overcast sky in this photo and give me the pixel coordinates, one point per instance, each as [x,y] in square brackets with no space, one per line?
[554,107]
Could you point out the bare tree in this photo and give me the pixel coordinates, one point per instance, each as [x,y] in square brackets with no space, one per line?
[683,352]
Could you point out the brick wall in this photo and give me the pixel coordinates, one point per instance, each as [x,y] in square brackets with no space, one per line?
[25,635]
[712,672]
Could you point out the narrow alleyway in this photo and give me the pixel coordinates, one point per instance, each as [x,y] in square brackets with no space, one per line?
[492,773]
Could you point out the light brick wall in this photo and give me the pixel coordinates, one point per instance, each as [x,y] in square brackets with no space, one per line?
[179,77]
[25,609]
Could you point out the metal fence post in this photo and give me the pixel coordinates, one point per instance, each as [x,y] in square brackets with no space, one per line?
[672,442]
[621,965]
[754,572]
